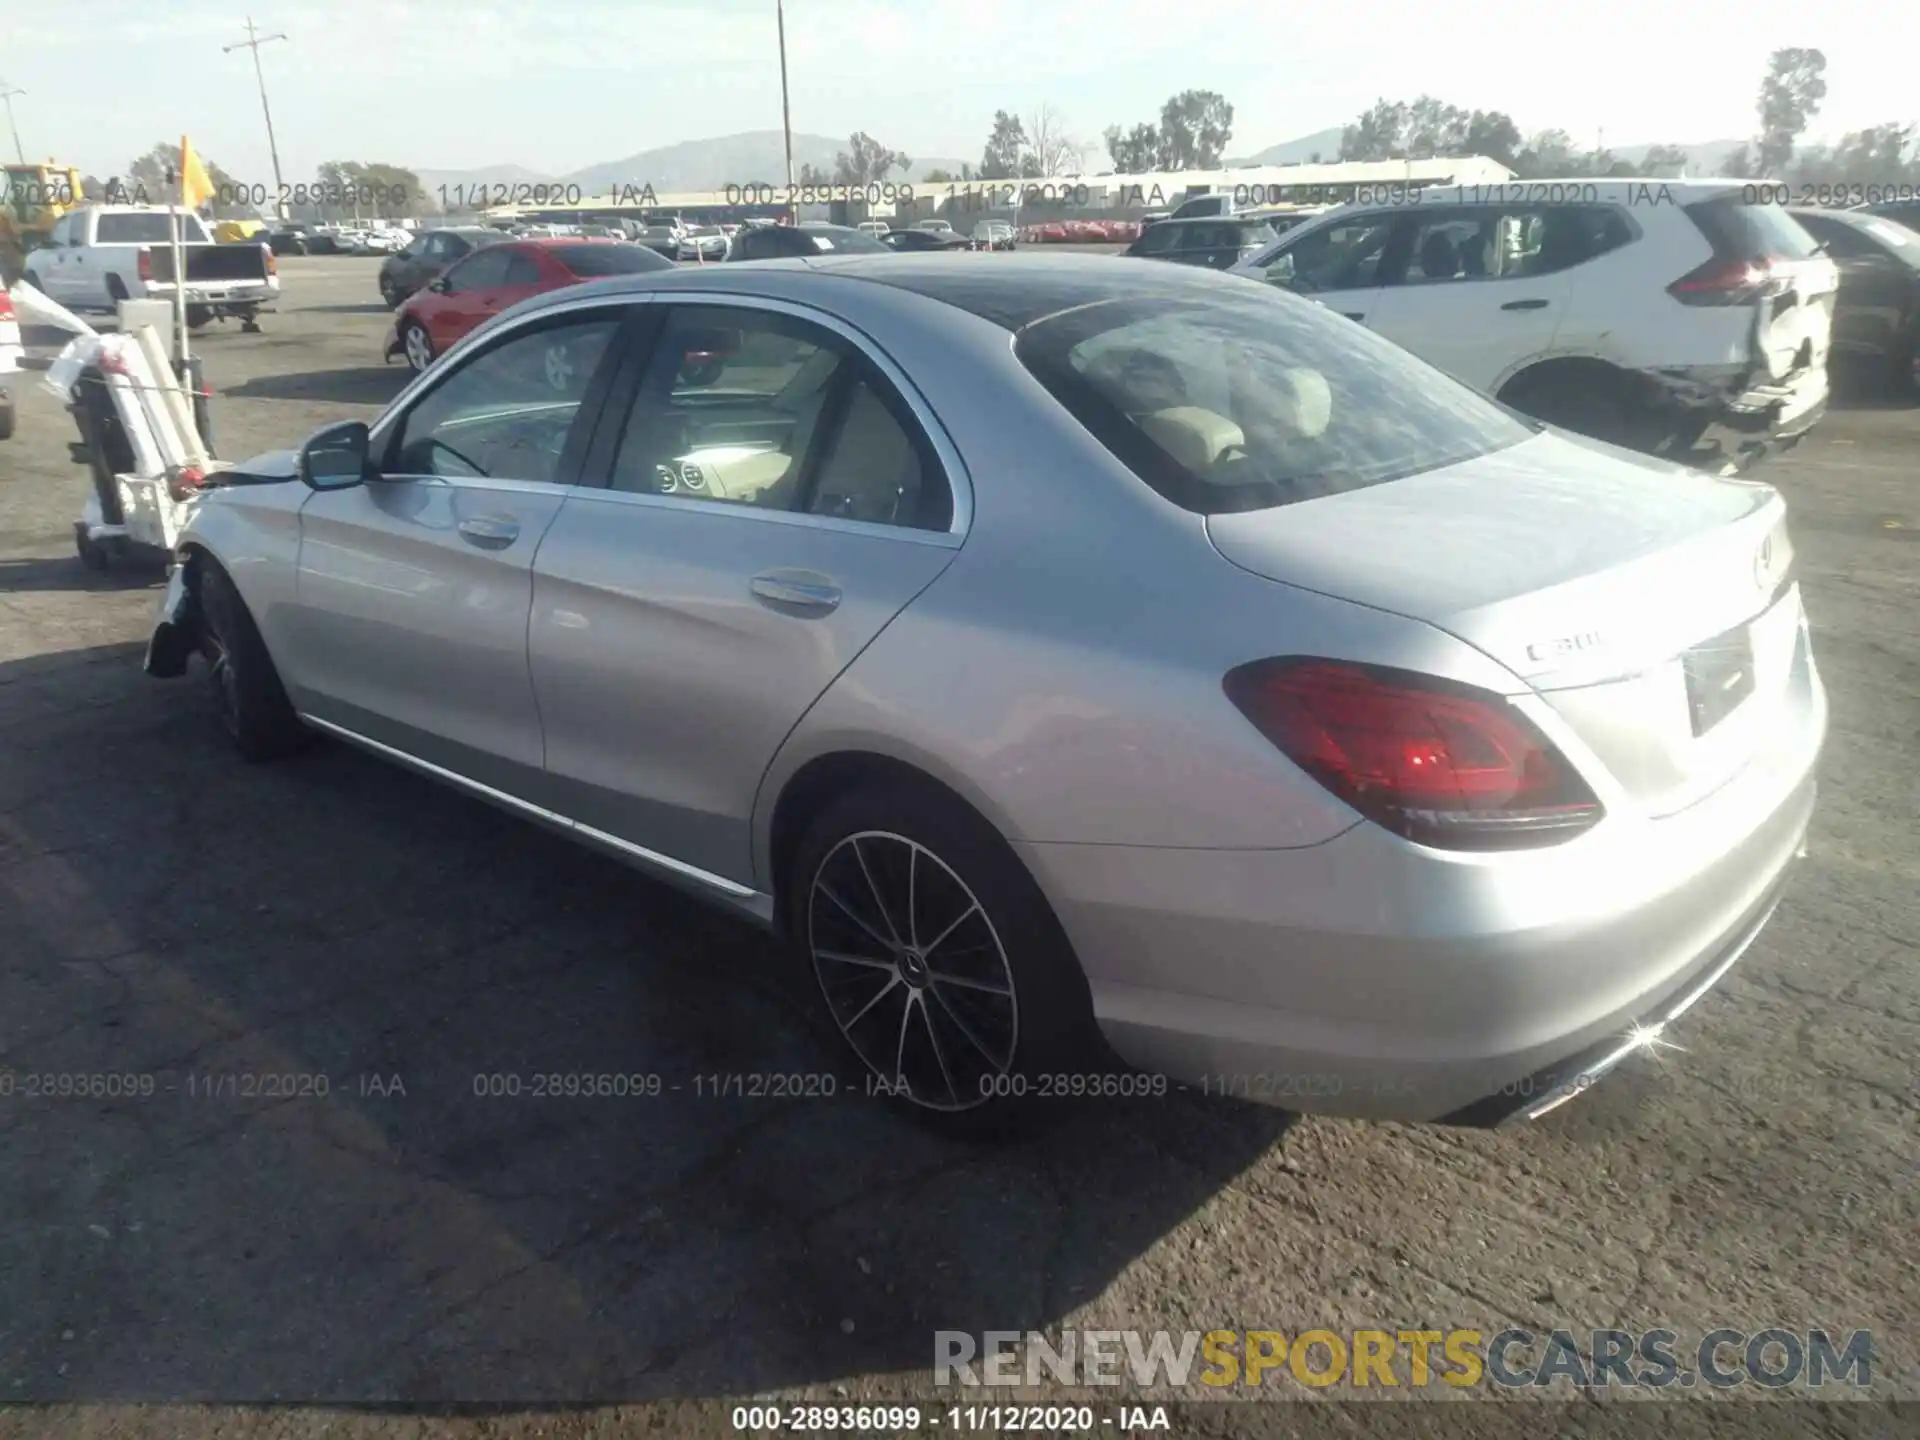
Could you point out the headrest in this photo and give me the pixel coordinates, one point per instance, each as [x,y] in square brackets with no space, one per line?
[1193,436]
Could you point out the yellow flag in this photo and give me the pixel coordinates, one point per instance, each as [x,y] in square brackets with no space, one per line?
[195,188]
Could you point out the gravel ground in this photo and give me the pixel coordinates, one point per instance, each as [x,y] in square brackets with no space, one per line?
[370,1262]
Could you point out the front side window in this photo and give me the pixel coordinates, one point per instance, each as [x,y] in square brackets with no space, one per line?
[744,407]
[1250,400]
[506,413]
[486,270]
[1342,256]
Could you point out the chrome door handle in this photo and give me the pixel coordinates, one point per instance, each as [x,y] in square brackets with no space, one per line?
[1526,305]
[490,532]
[796,591]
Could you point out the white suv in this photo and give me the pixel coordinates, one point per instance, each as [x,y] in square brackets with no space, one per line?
[1675,318]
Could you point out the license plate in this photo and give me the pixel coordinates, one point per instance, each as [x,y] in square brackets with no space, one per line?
[1719,676]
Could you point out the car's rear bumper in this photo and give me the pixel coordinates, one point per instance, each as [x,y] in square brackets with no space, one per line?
[1371,977]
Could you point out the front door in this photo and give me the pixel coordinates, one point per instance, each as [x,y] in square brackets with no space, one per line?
[772,502]
[409,624]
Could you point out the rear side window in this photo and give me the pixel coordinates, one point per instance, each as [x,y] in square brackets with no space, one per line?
[1738,231]
[145,229]
[1251,399]
[592,261]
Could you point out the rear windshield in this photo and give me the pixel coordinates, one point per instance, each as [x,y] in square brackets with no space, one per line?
[1738,231]
[1250,399]
[852,242]
[590,261]
[146,229]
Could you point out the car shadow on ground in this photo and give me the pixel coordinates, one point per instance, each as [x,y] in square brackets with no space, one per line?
[365,385]
[131,572]
[372,307]
[380,1096]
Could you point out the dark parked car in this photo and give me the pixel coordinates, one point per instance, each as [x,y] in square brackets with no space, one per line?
[289,241]
[1217,242]
[917,240]
[1906,212]
[1876,315]
[778,242]
[431,252]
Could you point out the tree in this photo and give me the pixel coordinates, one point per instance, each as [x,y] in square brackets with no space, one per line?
[1493,134]
[811,174]
[866,160]
[1740,164]
[937,176]
[1005,146]
[1051,150]
[1790,96]
[1548,155]
[1135,151]
[1435,128]
[1377,134]
[1665,161]
[158,171]
[1195,126]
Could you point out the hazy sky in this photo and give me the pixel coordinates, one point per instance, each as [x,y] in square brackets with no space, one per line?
[452,84]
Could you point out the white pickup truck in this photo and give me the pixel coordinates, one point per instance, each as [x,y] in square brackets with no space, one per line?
[99,255]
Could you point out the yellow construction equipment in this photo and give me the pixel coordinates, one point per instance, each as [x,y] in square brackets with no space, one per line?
[32,200]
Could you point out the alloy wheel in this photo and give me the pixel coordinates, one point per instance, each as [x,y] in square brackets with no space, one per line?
[912,969]
[226,685]
[419,347]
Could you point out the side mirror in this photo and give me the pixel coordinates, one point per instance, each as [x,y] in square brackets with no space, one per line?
[338,457]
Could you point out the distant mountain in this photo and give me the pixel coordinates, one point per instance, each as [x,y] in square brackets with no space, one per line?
[1324,143]
[756,157]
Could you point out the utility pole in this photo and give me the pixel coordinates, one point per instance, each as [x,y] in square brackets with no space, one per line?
[786,118]
[253,42]
[7,92]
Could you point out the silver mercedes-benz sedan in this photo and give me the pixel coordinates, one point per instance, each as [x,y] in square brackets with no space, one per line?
[1072,657]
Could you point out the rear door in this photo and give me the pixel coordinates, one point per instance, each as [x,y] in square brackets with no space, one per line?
[1482,291]
[763,519]
[1341,264]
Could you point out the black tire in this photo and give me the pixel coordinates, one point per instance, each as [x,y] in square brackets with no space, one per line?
[985,1079]
[199,317]
[390,293]
[249,700]
[6,418]
[117,288]
[95,556]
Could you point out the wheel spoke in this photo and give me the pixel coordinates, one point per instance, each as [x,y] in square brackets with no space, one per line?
[843,958]
[940,978]
[965,1029]
[900,1052]
[927,952]
[853,915]
[939,1051]
[913,907]
[874,890]
[861,1014]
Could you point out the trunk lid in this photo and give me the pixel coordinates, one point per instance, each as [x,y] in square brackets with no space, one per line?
[1626,591]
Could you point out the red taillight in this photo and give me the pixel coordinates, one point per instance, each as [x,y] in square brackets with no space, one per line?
[1438,762]
[6,306]
[146,266]
[273,266]
[1723,282]
[185,481]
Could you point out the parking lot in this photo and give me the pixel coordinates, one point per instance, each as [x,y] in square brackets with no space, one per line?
[402,1240]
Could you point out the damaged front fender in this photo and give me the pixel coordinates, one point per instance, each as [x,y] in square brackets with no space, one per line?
[176,634]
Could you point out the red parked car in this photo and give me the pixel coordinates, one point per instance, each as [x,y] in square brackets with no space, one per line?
[473,290]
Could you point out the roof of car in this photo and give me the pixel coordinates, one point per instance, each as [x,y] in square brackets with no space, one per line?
[1011,291]
[1185,220]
